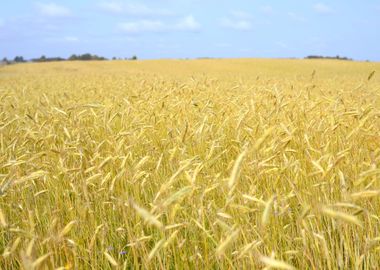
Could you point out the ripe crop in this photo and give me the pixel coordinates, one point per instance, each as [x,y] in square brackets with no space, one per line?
[200,164]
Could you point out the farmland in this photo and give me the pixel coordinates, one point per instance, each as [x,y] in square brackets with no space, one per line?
[190,164]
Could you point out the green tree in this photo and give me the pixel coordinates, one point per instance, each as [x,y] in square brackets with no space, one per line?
[19,59]
[73,57]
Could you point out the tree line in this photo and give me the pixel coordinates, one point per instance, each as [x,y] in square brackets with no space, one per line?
[74,57]
[328,57]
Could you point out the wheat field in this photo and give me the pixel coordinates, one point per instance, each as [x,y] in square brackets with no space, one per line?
[190,164]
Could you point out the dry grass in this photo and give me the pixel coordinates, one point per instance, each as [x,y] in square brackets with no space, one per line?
[190,165]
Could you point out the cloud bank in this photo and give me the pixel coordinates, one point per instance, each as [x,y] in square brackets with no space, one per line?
[188,24]
[53,10]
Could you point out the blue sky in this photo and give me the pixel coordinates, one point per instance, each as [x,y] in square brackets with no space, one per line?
[191,28]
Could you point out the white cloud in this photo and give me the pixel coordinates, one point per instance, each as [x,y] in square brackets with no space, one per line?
[241,25]
[239,20]
[53,10]
[322,8]
[136,9]
[268,10]
[113,7]
[187,23]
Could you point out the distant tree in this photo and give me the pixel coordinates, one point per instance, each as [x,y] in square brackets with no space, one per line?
[73,57]
[134,57]
[328,57]
[114,58]
[5,60]
[86,57]
[43,58]
[19,59]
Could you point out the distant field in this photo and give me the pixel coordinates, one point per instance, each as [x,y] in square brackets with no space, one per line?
[190,164]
